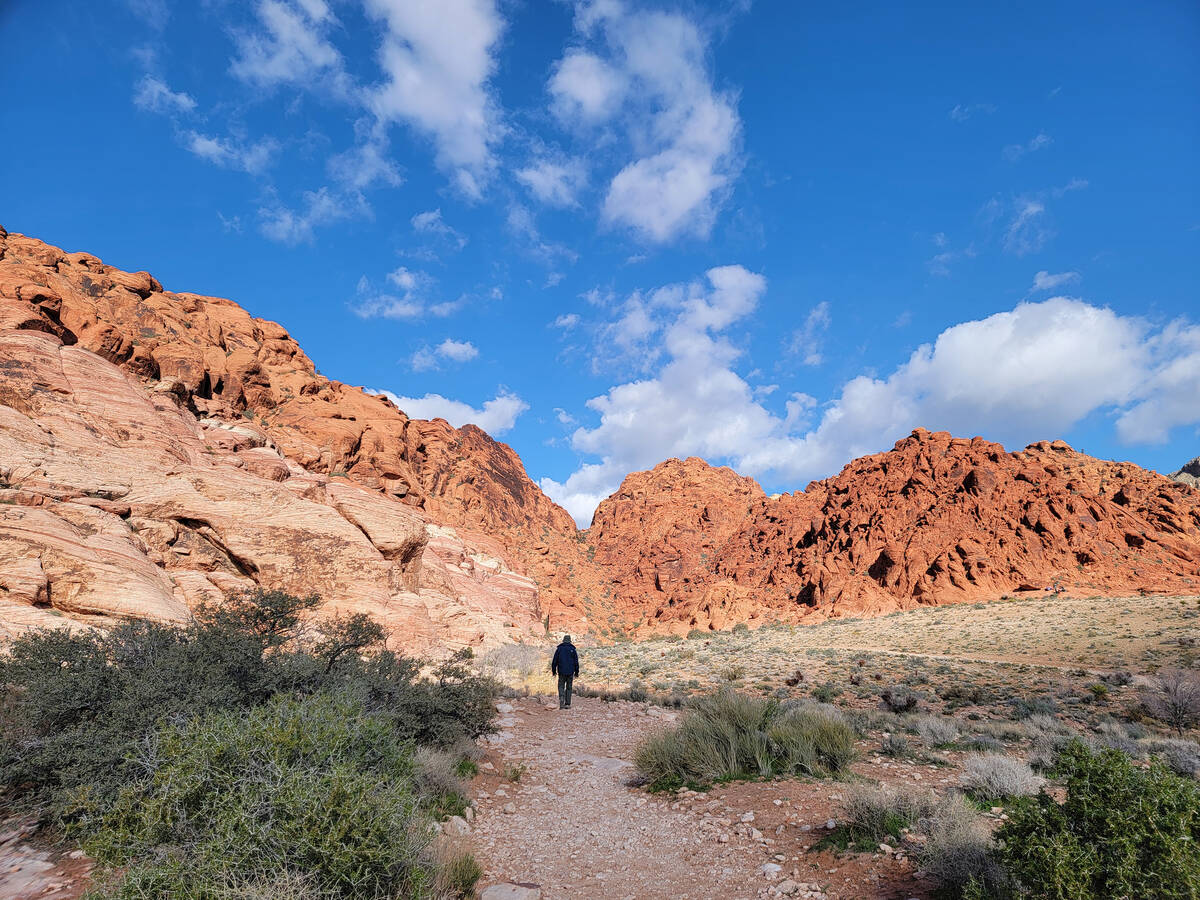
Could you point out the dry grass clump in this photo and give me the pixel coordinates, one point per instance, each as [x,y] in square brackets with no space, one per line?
[958,849]
[993,776]
[937,731]
[879,812]
[728,735]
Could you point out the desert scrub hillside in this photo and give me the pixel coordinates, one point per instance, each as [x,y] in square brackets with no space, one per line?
[245,755]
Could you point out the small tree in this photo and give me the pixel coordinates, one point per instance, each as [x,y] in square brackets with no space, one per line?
[1175,699]
[273,617]
[348,634]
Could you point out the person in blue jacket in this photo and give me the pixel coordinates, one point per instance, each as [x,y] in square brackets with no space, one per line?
[566,666]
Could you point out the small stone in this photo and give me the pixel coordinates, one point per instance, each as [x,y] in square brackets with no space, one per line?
[770,869]
[456,825]
[511,892]
[747,817]
[787,887]
[830,824]
[510,808]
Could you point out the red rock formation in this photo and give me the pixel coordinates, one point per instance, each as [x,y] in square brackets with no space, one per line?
[200,398]
[939,520]
[663,526]
[157,448]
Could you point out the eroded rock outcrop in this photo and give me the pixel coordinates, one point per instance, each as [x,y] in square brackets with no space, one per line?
[940,519]
[1189,473]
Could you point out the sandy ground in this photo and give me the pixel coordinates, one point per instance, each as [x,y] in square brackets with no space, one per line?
[574,827]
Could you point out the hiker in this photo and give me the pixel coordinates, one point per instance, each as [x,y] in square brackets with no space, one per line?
[566,666]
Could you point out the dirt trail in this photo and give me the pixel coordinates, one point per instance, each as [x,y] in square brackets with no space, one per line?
[573,827]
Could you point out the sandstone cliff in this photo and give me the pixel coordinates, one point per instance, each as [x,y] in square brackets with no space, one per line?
[160,447]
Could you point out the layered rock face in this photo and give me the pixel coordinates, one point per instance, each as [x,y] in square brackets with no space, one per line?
[939,519]
[157,449]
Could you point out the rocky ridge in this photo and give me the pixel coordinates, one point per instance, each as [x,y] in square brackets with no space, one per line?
[1189,473]
[939,519]
[161,448]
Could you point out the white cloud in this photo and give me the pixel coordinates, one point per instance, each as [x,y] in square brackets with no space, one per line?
[253,158]
[1030,373]
[424,360]
[431,222]
[961,112]
[291,48]
[406,303]
[1013,152]
[359,167]
[319,208]
[153,95]
[438,59]
[655,83]
[806,340]
[1029,231]
[497,415]
[1044,281]
[554,182]
[458,351]
[567,321]
[585,87]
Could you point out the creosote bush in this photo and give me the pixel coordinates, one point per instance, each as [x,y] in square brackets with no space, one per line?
[1123,831]
[728,735]
[154,745]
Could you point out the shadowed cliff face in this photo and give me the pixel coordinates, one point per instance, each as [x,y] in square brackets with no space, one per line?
[159,448]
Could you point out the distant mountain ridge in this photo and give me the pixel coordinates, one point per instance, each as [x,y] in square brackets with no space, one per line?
[160,448]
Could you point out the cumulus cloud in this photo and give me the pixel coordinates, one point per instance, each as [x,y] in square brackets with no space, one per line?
[496,416]
[1045,281]
[153,95]
[458,351]
[438,59]
[647,73]
[404,300]
[566,321]
[1028,373]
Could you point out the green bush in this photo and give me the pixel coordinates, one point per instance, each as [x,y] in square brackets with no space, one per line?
[315,785]
[728,735]
[76,705]
[1123,831]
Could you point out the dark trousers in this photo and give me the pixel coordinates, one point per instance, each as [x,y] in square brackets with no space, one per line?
[564,691]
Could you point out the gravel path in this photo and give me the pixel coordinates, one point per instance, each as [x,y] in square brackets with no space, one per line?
[573,827]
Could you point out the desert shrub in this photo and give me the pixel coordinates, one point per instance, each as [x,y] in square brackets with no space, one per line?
[960,693]
[1027,707]
[515,662]
[879,812]
[983,743]
[993,776]
[899,699]
[728,735]
[1180,756]
[316,786]
[80,703]
[958,850]
[824,693]
[1118,678]
[937,731]
[1123,831]
[1114,736]
[437,780]
[457,873]
[1174,699]
[895,745]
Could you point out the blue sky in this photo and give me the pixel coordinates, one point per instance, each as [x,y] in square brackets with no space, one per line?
[776,235]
